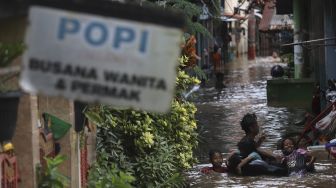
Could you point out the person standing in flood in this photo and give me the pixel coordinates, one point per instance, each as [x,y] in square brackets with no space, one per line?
[218,67]
[189,50]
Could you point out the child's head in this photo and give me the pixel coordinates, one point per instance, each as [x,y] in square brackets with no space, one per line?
[216,158]
[249,124]
[246,147]
[287,146]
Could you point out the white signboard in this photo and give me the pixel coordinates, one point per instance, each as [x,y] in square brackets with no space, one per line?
[93,58]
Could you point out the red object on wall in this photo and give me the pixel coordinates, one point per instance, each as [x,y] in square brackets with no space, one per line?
[251,51]
[84,165]
[9,171]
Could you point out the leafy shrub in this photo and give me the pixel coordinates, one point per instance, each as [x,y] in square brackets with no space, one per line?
[154,148]
[9,51]
[158,169]
[50,177]
[107,175]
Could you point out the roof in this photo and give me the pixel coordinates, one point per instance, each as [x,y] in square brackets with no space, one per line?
[284,21]
[272,21]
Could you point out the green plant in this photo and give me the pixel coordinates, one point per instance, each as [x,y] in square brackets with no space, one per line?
[289,59]
[9,51]
[158,168]
[50,177]
[154,148]
[104,174]
[191,12]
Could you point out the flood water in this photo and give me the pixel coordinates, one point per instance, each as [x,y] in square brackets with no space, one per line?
[219,114]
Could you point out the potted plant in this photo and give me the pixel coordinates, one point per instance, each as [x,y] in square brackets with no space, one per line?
[9,90]
[289,59]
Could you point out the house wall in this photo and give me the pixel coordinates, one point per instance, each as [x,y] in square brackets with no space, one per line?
[12,29]
[316,31]
[26,136]
[266,44]
[25,146]
[242,44]
[25,142]
[330,31]
[322,19]
[63,109]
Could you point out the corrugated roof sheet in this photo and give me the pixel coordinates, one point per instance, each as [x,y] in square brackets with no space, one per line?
[282,22]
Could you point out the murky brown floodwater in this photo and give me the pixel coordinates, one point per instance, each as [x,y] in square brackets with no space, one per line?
[219,114]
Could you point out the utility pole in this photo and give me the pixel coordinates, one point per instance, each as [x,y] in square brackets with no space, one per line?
[298,53]
[251,54]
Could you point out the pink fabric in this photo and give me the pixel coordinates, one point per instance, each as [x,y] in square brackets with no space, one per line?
[326,121]
[301,151]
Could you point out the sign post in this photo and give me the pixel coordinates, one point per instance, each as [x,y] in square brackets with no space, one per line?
[120,55]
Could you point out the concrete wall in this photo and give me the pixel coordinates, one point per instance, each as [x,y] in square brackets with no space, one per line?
[25,142]
[330,31]
[26,137]
[63,109]
[316,31]
[322,18]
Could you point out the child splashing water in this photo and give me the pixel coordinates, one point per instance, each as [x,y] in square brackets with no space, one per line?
[297,161]
[249,159]
[248,162]
[216,159]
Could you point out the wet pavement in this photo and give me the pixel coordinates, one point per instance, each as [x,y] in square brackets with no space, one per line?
[219,114]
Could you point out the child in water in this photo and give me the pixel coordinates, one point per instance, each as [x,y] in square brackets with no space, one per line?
[249,159]
[248,162]
[297,161]
[216,159]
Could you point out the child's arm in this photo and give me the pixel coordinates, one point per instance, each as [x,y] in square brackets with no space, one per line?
[266,154]
[242,163]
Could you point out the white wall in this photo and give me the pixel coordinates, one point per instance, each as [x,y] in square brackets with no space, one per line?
[229,9]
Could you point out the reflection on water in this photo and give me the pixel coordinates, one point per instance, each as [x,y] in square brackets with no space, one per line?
[219,114]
